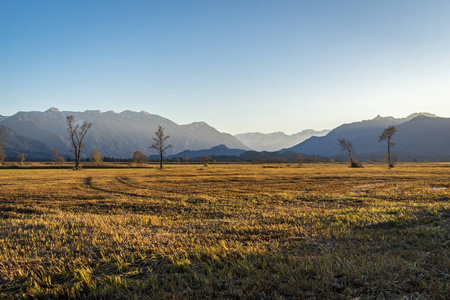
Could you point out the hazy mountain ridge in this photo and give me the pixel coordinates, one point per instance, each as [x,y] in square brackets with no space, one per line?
[117,134]
[421,135]
[16,144]
[37,134]
[220,150]
[277,140]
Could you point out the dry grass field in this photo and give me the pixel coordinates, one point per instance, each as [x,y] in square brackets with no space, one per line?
[320,231]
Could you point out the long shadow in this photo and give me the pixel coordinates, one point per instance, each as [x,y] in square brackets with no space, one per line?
[125,181]
[88,183]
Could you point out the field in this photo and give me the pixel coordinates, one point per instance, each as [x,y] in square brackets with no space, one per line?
[317,231]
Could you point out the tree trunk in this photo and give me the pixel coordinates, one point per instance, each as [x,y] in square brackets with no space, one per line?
[77,158]
[389,154]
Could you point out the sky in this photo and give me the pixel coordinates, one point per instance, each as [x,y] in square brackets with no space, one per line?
[241,66]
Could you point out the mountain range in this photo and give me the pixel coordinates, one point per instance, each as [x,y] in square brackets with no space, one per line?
[277,140]
[16,144]
[117,134]
[420,136]
[220,150]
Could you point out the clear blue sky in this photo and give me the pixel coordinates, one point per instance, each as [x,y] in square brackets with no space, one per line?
[239,65]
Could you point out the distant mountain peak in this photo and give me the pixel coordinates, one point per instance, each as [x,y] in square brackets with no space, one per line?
[52,109]
[197,125]
[379,118]
[410,117]
[276,140]
[145,113]
[420,114]
[221,146]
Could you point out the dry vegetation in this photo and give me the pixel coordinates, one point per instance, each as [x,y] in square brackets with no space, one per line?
[226,231]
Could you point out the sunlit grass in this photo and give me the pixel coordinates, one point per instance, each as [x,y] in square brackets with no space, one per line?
[226,231]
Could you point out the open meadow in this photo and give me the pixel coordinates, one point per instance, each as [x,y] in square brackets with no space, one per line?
[319,231]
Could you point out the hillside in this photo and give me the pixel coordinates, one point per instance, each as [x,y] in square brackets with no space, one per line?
[117,134]
[420,136]
[16,144]
[220,150]
[276,140]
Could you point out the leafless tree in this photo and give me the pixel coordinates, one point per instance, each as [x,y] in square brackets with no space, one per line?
[57,158]
[206,160]
[160,144]
[139,157]
[387,135]
[55,155]
[77,133]
[348,147]
[96,158]
[20,159]
[2,141]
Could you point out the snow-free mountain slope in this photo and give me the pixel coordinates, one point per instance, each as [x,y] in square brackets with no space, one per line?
[220,150]
[423,136]
[117,134]
[277,140]
[15,144]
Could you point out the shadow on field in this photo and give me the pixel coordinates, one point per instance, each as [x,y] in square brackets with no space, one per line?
[88,182]
[16,212]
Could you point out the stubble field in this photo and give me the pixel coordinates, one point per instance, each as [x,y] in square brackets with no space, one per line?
[320,231]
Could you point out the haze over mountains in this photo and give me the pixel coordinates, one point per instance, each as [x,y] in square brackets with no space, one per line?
[277,140]
[420,136]
[117,134]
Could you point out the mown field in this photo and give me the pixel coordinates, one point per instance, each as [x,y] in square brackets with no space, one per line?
[320,231]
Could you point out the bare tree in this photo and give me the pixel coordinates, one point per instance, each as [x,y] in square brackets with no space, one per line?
[55,155]
[139,157]
[2,141]
[20,159]
[96,158]
[77,133]
[387,135]
[300,159]
[57,158]
[348,147]
[160,144]
[206,160]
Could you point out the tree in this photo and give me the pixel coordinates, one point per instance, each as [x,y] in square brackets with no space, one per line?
[206,160]
[2,141]
[139,158]
[20,158]
[96,158]
[55,155]
[160,144]
[387,135]
[348,146]
[77,133]
[57,158]
[300,159]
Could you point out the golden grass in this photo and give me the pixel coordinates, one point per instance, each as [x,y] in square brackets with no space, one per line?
[226,231]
